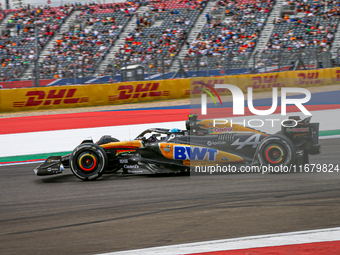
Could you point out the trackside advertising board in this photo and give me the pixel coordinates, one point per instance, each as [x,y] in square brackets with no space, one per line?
[265,82]
[129,92]
[91,95]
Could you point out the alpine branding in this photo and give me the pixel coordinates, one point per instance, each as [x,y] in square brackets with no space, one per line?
[194,153]
[211,143]
[253,140]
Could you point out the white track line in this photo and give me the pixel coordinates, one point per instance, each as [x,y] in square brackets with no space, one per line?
[21,163]
[329,137]
[67,140]
[300,237]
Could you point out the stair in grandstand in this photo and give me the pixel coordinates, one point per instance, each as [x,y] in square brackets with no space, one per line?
[64,28]
[200,23]
[335,49]
[130,26]
[3,23]
[268,28]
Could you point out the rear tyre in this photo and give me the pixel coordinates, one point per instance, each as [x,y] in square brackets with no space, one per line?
[88,161]
[305,158]
[276,150]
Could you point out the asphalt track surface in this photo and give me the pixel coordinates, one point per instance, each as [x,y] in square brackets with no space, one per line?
[64,215]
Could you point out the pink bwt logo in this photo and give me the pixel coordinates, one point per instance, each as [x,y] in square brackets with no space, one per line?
[238,100]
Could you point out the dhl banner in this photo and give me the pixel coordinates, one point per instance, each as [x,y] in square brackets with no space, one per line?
[267,81]
[129,92]
[91,95]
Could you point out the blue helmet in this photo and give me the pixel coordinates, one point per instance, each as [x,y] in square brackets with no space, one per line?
[175,130]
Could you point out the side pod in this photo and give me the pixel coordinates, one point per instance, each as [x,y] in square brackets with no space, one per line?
[51,166]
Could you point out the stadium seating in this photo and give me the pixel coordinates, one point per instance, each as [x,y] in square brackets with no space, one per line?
[228,43]
[17,52]
[161,32]
[103,24]
[156,46]
[305,37]
[150,43]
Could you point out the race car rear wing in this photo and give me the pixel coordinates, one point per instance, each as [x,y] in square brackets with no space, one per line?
[302,131]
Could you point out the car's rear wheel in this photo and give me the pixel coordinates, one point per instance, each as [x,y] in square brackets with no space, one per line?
[276,150]
[88,161]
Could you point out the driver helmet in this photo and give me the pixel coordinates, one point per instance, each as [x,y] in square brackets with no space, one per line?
[174,130]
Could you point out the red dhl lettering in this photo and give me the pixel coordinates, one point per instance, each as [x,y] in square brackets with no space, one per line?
[309,78]
[54,97]
[337,78]
[270,81]
[140,91]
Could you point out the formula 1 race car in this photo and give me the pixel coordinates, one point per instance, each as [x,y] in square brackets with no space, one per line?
[204,142]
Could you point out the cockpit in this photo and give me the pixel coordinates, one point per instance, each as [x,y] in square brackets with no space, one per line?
[159,134]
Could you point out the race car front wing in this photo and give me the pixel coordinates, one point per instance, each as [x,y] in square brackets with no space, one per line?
[51,166]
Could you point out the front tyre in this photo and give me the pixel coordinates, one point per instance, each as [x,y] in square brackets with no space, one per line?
[276,150]
[88,161]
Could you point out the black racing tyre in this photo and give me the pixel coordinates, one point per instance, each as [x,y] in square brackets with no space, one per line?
[107,139]
[276,150]
[88,161]
[305,158]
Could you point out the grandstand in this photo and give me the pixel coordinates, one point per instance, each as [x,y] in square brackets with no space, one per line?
[77,40]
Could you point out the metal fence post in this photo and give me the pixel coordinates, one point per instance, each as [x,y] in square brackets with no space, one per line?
[207,66]
[75,74]
[37,81]
[113,74]
[254,60]
[125,71]
[180,66]
[197,66]
[7,86]
[247,63]
[82,70]
[279,60]
[337,56]
[148,68]
[163,68]
[228,64]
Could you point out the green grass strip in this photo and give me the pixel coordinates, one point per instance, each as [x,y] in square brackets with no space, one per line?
[46,155]
[31,157]
[329,132]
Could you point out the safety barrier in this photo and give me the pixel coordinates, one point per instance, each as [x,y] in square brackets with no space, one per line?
[129,92]
[267,81]
[90,95]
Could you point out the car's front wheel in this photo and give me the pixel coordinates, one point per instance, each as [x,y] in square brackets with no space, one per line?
[88,161]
